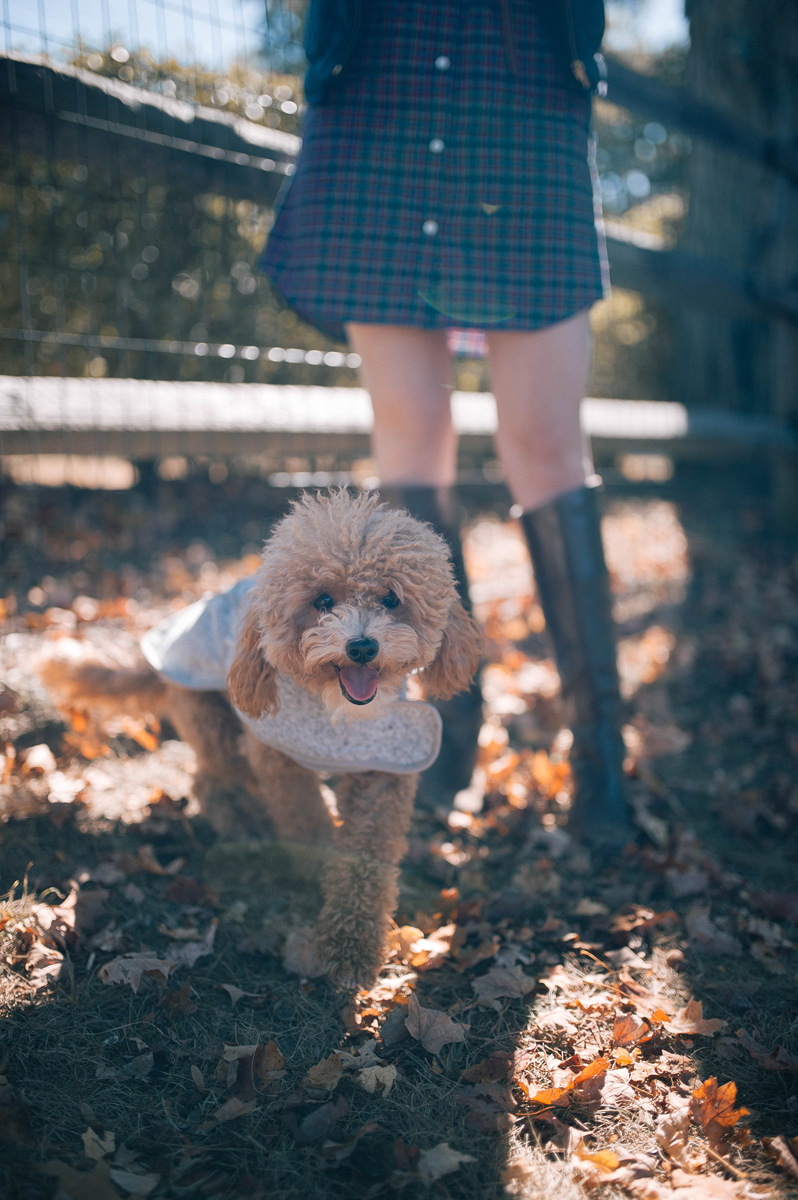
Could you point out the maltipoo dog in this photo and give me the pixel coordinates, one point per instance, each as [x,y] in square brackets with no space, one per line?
[298,675]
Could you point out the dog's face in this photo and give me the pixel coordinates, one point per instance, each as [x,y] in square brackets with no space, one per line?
[351,597]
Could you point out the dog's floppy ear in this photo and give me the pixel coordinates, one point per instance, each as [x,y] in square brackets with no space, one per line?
[251,681]
[456,662]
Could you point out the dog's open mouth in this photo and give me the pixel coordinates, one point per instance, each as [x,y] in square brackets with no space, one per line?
[358,684]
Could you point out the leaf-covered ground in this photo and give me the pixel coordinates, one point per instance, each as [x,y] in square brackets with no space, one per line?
[545,1026]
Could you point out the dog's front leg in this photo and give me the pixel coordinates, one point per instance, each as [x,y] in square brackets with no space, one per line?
[361,880]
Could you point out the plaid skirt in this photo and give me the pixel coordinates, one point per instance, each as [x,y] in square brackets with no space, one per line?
[445,180]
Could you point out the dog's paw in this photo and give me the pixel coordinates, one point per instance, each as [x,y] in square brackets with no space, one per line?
[353,977]
[350,966]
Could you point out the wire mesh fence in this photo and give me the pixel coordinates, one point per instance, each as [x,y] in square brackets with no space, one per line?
[144,148]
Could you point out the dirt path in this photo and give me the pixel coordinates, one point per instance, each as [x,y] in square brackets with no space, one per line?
[539,1030]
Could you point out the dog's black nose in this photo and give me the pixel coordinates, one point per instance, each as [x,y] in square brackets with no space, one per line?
[362,650]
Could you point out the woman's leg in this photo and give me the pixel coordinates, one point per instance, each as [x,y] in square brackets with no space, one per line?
[407,373]
[539,380]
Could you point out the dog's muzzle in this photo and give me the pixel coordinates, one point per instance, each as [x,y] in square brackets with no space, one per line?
[359,681]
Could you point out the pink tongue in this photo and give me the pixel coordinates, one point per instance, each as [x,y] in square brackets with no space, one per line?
[360,682]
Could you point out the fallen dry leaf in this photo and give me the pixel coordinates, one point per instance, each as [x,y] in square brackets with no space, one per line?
[187,934]
[605,1160]
[387,987]
[777,1059]
[326,1073]
[231,1110]
[433,1028]
[616,1090]
[558,1018]
[672,1131]
[373,1078]
[488,1119]
[711,1187]
[427,953]
[187,954]
[690,1020]
[583,1085]
[185,890]
[365,1056]
[95,1146]
[767,957]
[627,958]
[645,1002]
[133,1182]
[785,1152]
[549,1096]
[137,1068]
[131,968]
[249,1074]
[490,1070]
[706,935]
[499,982]
[75,917]
[273,1058]
[770,933]
[44,964]
[634,1172]
[491,1106]
[687,882]
[590,1081]
[236,994]
[712,1108]
[339,1151]
[179,1002]
[319,1123]
[467,958]
[566,1138]
[233,1053]
[439,1161]
[199,1079]
[629,1031]
[402,940]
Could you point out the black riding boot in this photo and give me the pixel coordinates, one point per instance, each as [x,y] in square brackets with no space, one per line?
[462,715]
[564,539]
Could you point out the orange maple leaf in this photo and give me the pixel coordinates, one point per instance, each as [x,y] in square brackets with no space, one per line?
[712,1107]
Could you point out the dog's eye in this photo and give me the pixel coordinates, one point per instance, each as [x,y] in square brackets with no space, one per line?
[324,603]
[390,599]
